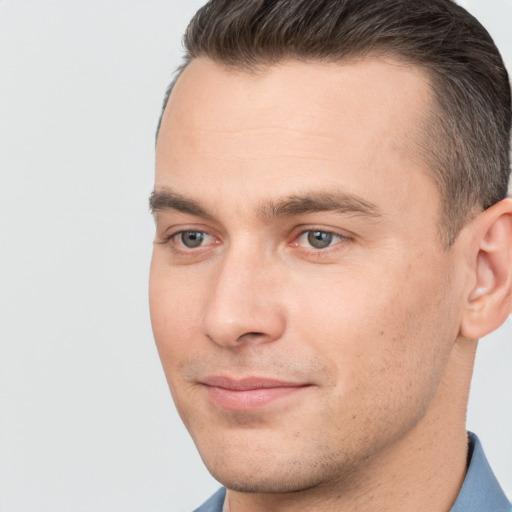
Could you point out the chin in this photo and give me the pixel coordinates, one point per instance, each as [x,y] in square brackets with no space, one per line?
[266,479]
[258,469]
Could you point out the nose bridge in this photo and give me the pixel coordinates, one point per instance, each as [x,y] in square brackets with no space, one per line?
[243,304]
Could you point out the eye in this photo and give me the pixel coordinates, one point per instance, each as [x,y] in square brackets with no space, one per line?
[318,239]
[192,239]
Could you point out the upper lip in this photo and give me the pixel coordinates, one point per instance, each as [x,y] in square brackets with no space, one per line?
[248,383]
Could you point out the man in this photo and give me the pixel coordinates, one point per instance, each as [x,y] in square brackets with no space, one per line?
[333,237]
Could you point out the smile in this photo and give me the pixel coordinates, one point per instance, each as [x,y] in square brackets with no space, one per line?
[248,393]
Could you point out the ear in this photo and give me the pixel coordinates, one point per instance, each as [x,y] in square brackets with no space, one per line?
[489,301]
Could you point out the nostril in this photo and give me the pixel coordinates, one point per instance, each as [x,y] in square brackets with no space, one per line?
[246,337]
[251,336]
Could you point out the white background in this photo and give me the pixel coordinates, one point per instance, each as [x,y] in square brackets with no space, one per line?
[86,421]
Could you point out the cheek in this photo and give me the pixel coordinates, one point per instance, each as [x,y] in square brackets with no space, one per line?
[384,331]
[175,314]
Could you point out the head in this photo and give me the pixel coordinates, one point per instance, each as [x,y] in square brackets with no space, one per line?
[332,232]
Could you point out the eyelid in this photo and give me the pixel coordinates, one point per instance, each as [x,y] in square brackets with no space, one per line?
[173,232]
[303,230]
[177,238]
[335,239]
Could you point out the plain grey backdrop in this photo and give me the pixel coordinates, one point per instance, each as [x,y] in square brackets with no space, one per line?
[86,420]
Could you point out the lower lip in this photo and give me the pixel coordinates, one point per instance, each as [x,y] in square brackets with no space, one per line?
[247,399]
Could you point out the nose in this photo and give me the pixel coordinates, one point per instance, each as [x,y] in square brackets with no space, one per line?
[244,306]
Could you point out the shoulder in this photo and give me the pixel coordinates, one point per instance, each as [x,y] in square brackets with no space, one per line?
[214,503]
[480,491]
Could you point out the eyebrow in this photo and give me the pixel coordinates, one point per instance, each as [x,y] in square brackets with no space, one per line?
[338,202]
[166,200]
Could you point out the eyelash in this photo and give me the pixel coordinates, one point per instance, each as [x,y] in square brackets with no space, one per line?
[180,249]
[306,233]
[172,236]
[169,240]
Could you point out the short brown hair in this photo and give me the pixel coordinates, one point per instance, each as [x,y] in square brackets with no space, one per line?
[466,140]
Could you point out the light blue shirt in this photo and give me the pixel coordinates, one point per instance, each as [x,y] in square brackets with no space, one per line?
[480,491]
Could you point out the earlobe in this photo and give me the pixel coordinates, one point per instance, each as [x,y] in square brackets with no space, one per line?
[489,302]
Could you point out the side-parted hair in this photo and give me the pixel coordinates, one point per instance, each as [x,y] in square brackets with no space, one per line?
[466,135]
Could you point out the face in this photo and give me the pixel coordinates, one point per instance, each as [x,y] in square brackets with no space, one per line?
[303,307]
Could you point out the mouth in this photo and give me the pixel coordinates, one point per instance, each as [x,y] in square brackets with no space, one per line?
[248,393]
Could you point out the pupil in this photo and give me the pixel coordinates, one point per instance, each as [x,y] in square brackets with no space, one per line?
[319,239]
[192,238]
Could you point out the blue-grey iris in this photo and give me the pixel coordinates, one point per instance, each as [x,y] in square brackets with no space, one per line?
[319,239]
[192,239]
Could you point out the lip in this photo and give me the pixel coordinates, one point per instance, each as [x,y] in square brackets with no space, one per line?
[249,392]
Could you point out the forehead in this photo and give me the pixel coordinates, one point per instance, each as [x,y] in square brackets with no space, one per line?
[302,89]
[356,122]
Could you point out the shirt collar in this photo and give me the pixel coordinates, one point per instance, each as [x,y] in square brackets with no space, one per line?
[480,491]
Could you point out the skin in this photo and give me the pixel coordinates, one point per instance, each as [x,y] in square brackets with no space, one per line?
[372,325]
